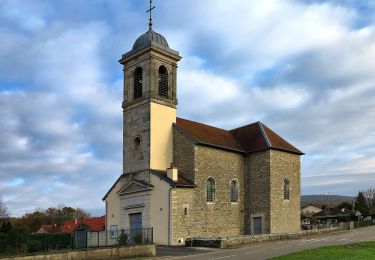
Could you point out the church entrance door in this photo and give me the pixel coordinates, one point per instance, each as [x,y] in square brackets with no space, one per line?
[136,227]
[257,224]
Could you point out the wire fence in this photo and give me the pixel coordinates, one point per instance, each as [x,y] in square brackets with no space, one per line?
[122,237]
[80,239]
[319,226]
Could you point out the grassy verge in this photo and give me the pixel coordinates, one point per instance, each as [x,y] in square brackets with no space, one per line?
[5,255]
[363,250]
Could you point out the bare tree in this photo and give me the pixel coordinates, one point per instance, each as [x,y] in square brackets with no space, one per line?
[370,198]
[3,211]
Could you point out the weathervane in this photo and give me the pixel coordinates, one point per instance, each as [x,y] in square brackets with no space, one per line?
[150,11]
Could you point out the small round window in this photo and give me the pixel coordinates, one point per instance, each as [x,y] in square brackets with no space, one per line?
[137,142]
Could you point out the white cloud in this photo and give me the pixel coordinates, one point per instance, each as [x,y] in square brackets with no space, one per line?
[306,70]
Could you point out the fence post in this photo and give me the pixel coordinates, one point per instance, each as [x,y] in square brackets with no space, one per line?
[45,242]
[73,240]
[98,239]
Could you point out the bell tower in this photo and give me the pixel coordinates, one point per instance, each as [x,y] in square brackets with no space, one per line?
[149,104]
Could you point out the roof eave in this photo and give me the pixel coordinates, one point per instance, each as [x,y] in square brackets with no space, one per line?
[287,150]
[172,183]
[276,148]
[185,185]
[106,195]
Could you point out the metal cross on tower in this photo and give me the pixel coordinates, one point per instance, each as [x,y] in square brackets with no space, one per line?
[150,11]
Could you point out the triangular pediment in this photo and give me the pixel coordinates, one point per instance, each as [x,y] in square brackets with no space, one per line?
[135,186]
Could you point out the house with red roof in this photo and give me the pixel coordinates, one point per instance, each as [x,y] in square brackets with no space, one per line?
[49,229]
[89,224]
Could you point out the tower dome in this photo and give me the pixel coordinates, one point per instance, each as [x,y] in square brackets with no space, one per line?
[148,38]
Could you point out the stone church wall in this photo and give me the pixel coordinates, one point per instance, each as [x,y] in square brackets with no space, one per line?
[221,218]
[257,169]
[285,214]
[183,155]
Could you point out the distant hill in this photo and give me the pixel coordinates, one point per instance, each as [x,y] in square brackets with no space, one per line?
[328,200]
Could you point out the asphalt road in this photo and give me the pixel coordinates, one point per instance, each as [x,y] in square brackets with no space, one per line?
[269,249]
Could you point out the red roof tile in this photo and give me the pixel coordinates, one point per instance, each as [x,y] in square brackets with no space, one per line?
[49,229]
[206,134]
[277,141]
[250,138]
[94,224]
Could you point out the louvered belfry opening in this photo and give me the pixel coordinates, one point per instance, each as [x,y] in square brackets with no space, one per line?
[138,83]
[163,81]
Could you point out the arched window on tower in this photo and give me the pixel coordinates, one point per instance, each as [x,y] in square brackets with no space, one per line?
[163,81]
[137,83]
[210,190]
[233,191]
[286,189]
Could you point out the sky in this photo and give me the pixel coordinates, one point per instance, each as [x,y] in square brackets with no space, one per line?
[306,69]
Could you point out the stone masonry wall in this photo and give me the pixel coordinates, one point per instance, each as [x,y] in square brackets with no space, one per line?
[221,218]
[183,155]
[285,214]
[257,169]
[137,124]
[246,240]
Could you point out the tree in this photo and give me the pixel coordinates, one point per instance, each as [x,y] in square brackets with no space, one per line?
[6,227]
[51,216]
[33,221]
[369,194]
[345,205]
[80,213]
[361,204]
[67,213]
[3,211]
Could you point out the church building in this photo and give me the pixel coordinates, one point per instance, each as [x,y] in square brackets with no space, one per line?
[188,179]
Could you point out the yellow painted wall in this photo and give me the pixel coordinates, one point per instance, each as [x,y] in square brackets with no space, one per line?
[159,210]
[113,207]
[161,139]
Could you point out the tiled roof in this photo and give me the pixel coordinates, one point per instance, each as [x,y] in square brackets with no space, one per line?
[49,229]
[206,134]
[250,138]
[94,224]
[181,181]
[257,137]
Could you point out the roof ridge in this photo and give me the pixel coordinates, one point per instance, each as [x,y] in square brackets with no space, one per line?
[264,134]
[234,129]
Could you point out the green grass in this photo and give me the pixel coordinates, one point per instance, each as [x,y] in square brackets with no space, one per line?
[364,250]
